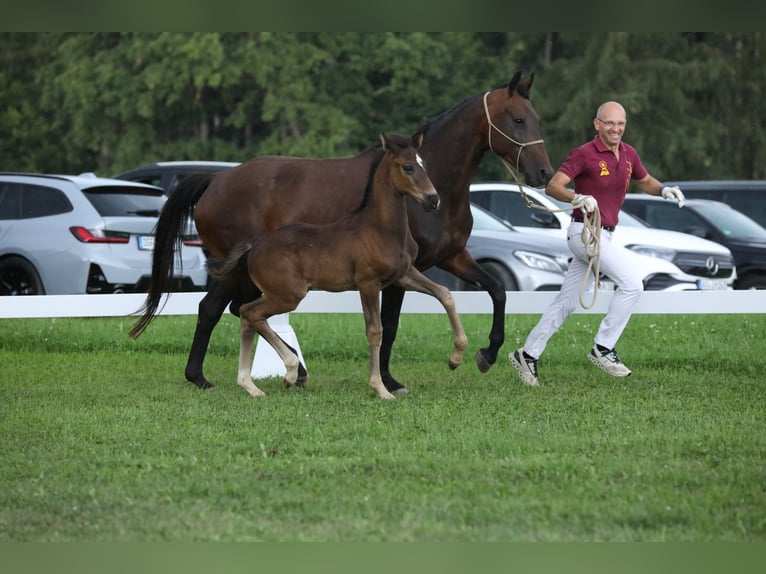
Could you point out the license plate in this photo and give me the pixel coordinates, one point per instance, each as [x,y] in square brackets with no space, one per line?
[712,284]
[146,242]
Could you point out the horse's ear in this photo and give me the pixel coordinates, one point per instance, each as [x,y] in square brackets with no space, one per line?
[384,141]
[529,81]
[417,140]
[514,82]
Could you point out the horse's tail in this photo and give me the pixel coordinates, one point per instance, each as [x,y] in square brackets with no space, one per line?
[220,269]
[168,237]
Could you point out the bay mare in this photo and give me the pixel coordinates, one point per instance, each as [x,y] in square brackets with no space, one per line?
[268,192]
[364,251]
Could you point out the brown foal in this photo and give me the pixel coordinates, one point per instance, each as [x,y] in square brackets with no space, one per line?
[365,251]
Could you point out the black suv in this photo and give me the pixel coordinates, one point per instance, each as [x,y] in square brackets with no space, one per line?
[713,220]
[747,196]
[168,174]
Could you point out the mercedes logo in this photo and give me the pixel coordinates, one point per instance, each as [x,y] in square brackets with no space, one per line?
[712,266]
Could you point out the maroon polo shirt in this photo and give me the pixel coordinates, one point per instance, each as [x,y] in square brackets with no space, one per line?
[596,171]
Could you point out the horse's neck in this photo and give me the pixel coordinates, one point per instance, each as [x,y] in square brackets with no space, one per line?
[387,206]
[453,156]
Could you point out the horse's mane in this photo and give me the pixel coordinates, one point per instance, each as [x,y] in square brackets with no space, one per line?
[370,177]
[397,140]
[427,123]
[521,88]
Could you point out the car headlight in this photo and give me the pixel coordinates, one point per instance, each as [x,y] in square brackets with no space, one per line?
[542,262]
[665,253]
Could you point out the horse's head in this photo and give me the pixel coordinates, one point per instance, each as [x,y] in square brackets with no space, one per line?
[513,128]
[407,170]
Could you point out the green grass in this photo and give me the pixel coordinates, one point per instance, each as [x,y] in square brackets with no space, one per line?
[103,440]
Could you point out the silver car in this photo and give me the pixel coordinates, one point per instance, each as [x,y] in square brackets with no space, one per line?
[62,234]
[522,261]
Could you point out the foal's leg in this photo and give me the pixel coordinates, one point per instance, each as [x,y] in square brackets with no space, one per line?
[247,335]
[257,313]
[288,355]
[249,292]
[371,308]
[414,280]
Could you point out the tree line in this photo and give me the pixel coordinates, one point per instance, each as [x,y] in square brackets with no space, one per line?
[108,102]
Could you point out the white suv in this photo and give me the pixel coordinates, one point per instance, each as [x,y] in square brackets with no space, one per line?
[673,261]
[62,234]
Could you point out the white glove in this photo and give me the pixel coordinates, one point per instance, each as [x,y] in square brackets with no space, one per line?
[587,203]
[674,193]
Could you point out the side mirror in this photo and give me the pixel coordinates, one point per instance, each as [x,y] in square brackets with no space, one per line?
[545,219]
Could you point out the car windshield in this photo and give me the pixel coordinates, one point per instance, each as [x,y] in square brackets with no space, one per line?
[628,220]
[115,201]
[486,221]
[731,222]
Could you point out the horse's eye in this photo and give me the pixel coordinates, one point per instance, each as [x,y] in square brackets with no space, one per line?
[518,121]
[407,167]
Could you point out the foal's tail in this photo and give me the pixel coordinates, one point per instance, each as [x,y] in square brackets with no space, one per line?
[238,255]
[173,220]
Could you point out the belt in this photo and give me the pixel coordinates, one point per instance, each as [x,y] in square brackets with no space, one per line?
[604,227]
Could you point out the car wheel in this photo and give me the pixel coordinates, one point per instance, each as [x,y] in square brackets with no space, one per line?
[755,281]
[19,277]
[497,270]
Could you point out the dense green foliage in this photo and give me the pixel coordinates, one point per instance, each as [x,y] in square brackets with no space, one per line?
[104,441]
[107,102]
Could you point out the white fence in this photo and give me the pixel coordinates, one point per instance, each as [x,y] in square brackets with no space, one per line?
[518,303]
[266,363]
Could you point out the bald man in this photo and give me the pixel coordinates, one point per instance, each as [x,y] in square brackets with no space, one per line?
[601,170]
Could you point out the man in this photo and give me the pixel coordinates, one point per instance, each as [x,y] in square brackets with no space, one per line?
[601,171]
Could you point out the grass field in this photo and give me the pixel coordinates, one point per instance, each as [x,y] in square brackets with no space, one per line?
[103,440]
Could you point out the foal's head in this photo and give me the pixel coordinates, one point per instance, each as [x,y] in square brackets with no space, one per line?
[407,171]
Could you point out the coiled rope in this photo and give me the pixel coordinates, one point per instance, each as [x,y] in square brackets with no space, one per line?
[590,236]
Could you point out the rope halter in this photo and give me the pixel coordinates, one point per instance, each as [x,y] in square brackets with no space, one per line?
[520,145]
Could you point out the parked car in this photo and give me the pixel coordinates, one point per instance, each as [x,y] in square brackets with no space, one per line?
[168,174]
[695,263]
[522,261]
[747,196]
[62,234]
[712,220]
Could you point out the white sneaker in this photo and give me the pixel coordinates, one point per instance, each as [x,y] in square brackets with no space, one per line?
[609,362]
[527,368]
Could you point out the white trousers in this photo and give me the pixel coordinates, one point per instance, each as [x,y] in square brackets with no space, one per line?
[616,263]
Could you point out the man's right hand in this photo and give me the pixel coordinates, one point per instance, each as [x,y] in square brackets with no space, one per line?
[587,203]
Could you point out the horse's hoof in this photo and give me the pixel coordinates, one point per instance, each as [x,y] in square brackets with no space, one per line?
[481,361]
[203,385]
[400,391]
[453,365]
[302,381]
[393,386]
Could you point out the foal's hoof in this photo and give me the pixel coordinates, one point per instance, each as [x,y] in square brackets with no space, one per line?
[453,365]
[302,381]
[203,385]
[482,362]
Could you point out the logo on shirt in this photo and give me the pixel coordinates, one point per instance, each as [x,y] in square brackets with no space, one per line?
[604,169]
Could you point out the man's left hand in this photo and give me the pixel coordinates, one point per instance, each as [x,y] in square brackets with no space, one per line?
[674,193]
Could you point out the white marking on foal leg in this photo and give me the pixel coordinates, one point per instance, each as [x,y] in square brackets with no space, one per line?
[247,335]
[289,358]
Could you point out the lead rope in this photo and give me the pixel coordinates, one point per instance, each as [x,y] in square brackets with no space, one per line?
[591,229]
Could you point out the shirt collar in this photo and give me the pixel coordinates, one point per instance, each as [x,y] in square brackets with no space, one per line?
[601,146]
